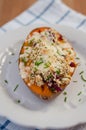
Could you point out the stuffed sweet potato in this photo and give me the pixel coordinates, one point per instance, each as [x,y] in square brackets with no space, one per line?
[46,62]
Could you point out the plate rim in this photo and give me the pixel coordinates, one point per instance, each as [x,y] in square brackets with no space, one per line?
[41,126]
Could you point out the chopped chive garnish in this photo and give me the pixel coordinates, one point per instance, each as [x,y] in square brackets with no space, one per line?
[26,48]
[83,85]
[69,51]
[74,81]
[65,93]
[82,77]
[58,52]
[6,81]
[52,43]
[77,58]
[24,60]
[32,75]
[46,65]
[65,99]
[31,41]
[58,71]
[35,69]
[81,72]
[12,53]
[16,87]
[27,52]
[45,33]
[39,40]
[37,63]
[18,101]
[49,76]
[79,93]
[52,89]
[63,56]
[10,62]
[79,99]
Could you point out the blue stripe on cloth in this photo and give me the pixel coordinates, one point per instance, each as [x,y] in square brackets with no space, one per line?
[81,23]
[49,5]
[37,16]
[63,17]
[16,20]
[2,29]
[5,125]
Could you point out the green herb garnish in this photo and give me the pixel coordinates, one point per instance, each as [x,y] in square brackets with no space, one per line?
[69,51]
[31,41]
[81,72]
[32,75]
[58,52]
[58,71]
[52,44]
[82,77]
[18,101]
[39,40]
[46,65]
[35,69]
[26,48]
[65,99]
[16,87]
[65,93]
[83,85]
[45,33]
[27,52]
[12,53]
[6,81]
[52,89]
[74,81]
[10,62]
[79,99]
[49,76]
[37,63]
[77,58]
[79,93]
[24,60]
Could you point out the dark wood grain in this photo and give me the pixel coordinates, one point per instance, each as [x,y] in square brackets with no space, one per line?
[11,8]
[78,5]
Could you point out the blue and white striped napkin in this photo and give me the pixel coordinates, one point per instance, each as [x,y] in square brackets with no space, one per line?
[49,11]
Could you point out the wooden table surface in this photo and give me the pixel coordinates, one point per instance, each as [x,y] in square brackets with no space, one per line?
[11,8]
[78,5]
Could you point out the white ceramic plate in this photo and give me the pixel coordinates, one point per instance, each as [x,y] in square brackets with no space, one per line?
[31,111]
